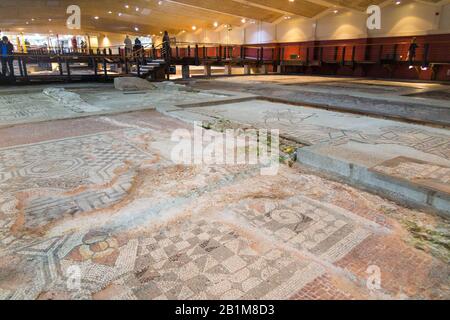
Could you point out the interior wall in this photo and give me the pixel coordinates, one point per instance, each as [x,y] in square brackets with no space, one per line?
[260,32]
[234,36]
[345,25]
[295,30]
[411,18]
[444,22]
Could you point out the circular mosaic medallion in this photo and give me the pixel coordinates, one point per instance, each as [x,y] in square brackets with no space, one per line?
[52,167]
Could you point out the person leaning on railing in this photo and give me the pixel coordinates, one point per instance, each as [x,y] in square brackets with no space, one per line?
[6,52]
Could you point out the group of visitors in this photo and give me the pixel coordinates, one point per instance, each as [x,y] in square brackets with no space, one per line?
[137,48]
[83,48]
[6,51]
[131,49]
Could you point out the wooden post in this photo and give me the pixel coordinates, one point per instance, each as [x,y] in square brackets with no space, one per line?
[426,54]
[68,69]
[61,71]
[394,56]
[380,53]
[343,55]
[24,66]
[138,68]
[353,54]
[94,64]
[197,58]
[19,61]
[105,68]
[153,52]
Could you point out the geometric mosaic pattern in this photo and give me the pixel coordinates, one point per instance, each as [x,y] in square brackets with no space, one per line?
[196,258]
[305,224]
[223,239]
[306,125]
[200,259]
[46,172]
[15,108]
[60,103]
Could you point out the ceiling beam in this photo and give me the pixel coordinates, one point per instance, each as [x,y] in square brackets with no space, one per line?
[236,8]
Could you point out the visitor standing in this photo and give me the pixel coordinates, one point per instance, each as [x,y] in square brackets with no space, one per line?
[167,51]
[412,51]
[6,51]
[74,44]
[137,47]
[82,46]
[128,45]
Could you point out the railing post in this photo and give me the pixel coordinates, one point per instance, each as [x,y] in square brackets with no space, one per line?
[94,64]
[189,51]
[353,54]
[177,52]
[153,52]
[68,69]
[24,66]
[336,50]
[197,58]
[19,61]
[380,53]
[394,56]
[105,68]
[426,54]
[307,55]
[367,52]
[242,52]
[138,67]
[205,53]
[344,49]
[61,71]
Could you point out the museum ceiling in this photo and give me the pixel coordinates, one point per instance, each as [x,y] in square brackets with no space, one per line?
[154,16]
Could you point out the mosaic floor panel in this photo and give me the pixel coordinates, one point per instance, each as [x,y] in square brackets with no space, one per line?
[73,226]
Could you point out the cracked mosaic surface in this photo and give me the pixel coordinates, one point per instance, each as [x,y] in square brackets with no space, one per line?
[203,232]
[313,126]
[68,176]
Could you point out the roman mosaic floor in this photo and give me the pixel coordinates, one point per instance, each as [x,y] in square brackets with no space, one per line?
[314,126]
[94,208]
[52,103]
